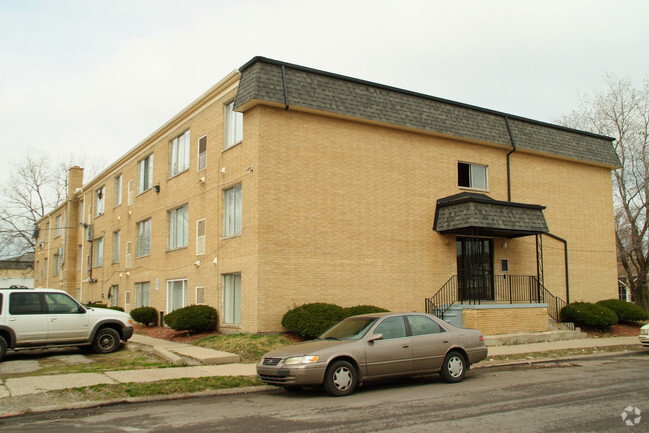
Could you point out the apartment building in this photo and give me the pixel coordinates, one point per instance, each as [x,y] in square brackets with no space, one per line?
[283,185]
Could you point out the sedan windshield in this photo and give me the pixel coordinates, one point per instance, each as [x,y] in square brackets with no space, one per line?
[352,328]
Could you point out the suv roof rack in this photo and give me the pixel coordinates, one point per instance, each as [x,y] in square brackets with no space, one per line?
[15,286]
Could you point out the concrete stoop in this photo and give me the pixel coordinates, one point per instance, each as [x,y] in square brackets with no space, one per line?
[533,337]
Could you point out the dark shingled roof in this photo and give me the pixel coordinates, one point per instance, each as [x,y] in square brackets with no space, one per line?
[263,79]
[478,214]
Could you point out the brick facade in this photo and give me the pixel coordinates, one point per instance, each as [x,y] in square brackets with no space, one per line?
[335,208]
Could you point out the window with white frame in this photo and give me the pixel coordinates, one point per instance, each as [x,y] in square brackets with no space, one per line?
[130,192]
[100,201]
[79,256]
[177,227]
[202,152]
[116,245]
[232,299]
[145,174]
[118,190]
[142,294]
[472,175]
[200,237]
[56,264]
[176,294]
[232,211]
[233,126]
[98,252]
[57,225]
[200,295]
[128,254]
[143,240]
[113,295]
[179,154]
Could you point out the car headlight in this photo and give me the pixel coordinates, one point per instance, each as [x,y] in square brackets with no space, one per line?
[644,331]
[301,360]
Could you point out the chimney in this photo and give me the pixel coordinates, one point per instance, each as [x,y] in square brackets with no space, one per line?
[75,180]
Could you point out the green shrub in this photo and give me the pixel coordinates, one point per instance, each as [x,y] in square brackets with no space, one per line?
[626,311]
[311,320]
[589,315]
[363,309]
[116,308]
[197,318]
[145,315]
[96,305]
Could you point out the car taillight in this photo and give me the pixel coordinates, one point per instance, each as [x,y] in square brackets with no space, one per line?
[481,338]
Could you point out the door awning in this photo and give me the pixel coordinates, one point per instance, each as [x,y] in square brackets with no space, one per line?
[480,215]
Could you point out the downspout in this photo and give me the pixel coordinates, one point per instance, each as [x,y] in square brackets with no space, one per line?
[509,180]
[565,248]
[285,88]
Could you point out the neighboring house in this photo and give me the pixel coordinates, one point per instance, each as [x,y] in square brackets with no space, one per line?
[17,271]
[283,185]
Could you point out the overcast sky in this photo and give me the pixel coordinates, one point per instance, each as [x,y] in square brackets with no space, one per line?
[88,80]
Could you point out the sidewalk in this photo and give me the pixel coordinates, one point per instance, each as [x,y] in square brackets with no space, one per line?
[217,363]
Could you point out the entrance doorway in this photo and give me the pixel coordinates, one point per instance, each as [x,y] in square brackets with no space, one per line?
[475,269]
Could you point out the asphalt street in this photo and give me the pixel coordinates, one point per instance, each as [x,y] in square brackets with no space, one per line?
[589,395]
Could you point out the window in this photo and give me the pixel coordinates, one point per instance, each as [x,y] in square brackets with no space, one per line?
[145,174]
[57,225]
[176,294]
[179,154]
[113,295]
[58,303]
[200,295]
[128,254]
[56,263]
[98,252]
[130,192]
[81,209]
[472,175]
[116,246]
[45,269]
[177,224]
[232,211]
[392,327]
[142,294]
[100,201]
[422,325]
[143,241]
[79,256]
[25,303]
[202,152]
[200,237]
[233,126]
[118,190]
[232,298]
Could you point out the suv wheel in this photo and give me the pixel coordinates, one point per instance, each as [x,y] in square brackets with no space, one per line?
[106,341]
[3,348]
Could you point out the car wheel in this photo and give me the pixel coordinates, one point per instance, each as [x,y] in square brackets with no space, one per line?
[106,341]
[3,348]
[454,367]
[340,379]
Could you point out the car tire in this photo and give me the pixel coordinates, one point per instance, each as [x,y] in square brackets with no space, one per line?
[3,348]
[107,340]
[341,379]
[454,367]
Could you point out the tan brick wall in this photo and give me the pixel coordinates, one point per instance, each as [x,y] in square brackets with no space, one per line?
[493,321]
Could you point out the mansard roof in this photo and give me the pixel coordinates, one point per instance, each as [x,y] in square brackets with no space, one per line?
[265,80]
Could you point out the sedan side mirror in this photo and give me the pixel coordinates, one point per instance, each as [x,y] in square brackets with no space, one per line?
[374,338]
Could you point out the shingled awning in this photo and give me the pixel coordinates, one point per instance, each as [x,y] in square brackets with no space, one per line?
[478,214]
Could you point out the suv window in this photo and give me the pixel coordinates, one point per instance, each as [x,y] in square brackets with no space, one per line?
[25,303]
[61,304]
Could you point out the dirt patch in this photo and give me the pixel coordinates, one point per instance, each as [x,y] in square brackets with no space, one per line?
[619,330]
[166,333]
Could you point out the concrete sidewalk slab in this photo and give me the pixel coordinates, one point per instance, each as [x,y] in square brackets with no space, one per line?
[561,345]
[206,356]
[153,375]
[37,384]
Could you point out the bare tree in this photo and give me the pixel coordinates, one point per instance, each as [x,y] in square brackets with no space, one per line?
[622,112]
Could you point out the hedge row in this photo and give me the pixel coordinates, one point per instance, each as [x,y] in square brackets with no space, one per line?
[603,314]
[311,320]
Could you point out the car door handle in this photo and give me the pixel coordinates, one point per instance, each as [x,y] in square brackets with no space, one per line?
[405,346]
[445,341]
[53,319]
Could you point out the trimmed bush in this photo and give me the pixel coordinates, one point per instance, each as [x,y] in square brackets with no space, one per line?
[363,309]
[197,318]
[626,311]
[96,305]
[116,308]
[589,315]
[145,315]
[311,320]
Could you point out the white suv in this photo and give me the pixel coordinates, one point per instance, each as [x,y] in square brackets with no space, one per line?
[31,318]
